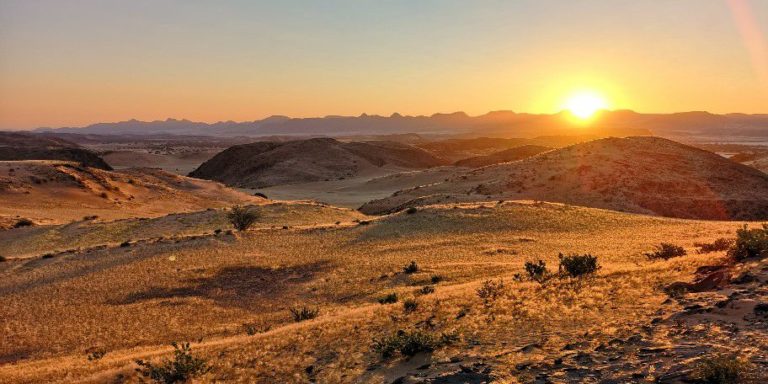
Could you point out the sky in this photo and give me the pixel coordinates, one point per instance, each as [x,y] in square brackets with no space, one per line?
[77,62]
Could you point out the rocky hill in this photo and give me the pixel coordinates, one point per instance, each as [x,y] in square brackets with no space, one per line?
[636,174]
[264,164]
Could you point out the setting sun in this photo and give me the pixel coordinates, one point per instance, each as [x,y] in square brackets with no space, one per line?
[584,104]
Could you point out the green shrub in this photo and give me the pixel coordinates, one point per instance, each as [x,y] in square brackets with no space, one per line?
[578,265]
[389,298]
[721,244]
[409,343]
[304,313]
[665,251]
[411,268]
[536,271]
[720,369]
[242,218]
[750,243]
[183,367]
[410,305]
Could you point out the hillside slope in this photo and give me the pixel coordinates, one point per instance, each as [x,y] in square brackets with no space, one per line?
[635,174]
[24,146]
[512,154]
[264,164]
[59,192]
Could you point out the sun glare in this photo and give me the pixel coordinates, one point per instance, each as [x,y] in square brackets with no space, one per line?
[584,104]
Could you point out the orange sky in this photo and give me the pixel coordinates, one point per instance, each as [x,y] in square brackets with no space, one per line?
[79,62]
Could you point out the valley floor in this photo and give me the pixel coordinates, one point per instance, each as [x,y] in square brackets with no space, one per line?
[230,294]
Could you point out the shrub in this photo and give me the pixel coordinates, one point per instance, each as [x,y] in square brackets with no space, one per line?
[96,354]
[410,305]
[3,258]
[259,194]
[409,343]
[304,313]
[665,251]
[411,268]
[48,256]
[490,290]
[390,298]
[426,290]
[103,195]
[721,244]
[242,218]
[436,279]
[183,367]
[125,244]
[750,243]
[23,223]
[411,210]
[578,265]
[720,369]
[536,271]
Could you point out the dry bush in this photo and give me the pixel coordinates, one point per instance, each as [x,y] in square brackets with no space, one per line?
[490,291]
[181,369]
[666,251]
[578,265]
[426,290]
[721,244]
[750,243]
[536,271]
[409,343]
[304,313]
[411,268]
[436,279]
[720,369]
[389,298]
[242,218]
[410,305]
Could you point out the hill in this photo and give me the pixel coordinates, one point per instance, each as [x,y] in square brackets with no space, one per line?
[264,164]
[512,154]
[636,174]
[59,192]
[25,146]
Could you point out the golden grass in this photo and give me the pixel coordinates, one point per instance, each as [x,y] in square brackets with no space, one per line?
[133,301]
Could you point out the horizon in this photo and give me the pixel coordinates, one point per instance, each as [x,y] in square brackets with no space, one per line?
[79,63]
[591,121]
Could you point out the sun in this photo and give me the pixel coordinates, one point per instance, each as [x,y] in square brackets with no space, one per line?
[584,104]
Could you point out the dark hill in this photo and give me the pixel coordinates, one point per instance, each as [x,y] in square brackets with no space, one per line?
[512,154]
[264,164]
[25,146]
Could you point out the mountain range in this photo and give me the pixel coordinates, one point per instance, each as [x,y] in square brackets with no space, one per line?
[498,123]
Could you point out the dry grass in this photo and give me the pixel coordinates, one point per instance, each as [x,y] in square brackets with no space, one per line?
[133,301]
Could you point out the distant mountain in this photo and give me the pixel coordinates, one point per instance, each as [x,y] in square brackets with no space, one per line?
[26,146]
[498,124]
[636,174]
[264,164]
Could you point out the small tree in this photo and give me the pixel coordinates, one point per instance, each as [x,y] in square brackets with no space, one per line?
[241,217]
[183,367]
